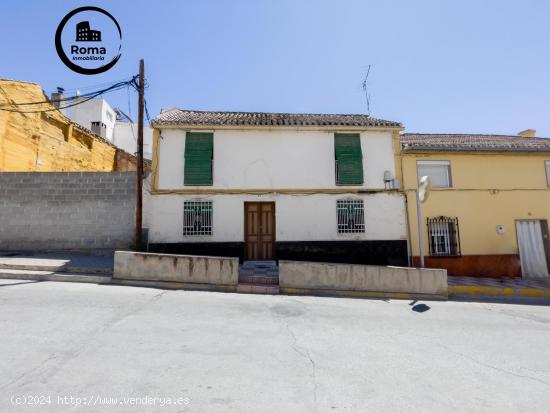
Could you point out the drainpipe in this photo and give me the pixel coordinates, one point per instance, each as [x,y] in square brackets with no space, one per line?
[409,249]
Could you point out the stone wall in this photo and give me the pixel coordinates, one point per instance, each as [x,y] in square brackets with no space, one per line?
[67,210]
[48,141]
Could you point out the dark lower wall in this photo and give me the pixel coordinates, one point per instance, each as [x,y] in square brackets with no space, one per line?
[503,265]
[354,252]
[212,249]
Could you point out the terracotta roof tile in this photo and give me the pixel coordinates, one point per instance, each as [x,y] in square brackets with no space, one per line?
[180,117]
[472,143]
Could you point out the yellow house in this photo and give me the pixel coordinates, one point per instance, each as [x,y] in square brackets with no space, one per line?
[487,213]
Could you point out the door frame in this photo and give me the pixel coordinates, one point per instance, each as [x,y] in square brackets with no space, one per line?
[245,226]
[545,237]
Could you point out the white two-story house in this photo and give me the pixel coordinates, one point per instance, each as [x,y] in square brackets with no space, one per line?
[264,186]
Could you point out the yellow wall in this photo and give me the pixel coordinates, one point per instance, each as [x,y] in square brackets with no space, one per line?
[488,190]
[46,141]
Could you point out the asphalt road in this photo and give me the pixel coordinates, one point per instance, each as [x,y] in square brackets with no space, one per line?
[89,348]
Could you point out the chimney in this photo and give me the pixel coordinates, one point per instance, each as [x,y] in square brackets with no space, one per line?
[99,128]
[57,96]
[527,133]
[57,99]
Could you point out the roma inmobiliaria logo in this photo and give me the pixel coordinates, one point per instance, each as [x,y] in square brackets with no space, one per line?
[88,40]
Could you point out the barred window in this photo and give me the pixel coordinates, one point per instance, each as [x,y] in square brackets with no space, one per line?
[197,218]
[351,217]
[443,236]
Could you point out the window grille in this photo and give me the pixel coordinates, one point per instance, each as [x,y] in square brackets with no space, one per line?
[197,218]
[351,216]
[443,236]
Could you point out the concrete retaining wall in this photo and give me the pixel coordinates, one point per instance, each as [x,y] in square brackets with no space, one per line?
[66,210]
[346,277]
[176,268]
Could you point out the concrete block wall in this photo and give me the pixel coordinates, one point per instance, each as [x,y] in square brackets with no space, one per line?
[66,210]
[316,276]
[176,268]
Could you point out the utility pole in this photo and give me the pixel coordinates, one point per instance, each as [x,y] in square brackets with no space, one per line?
[139,170]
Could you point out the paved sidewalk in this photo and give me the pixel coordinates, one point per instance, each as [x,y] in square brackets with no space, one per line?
[498,287]
[57,262]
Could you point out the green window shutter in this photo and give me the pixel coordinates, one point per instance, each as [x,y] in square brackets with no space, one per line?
[349,159]
[198,158]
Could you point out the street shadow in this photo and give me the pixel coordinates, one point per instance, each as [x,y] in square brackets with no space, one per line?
[419,308]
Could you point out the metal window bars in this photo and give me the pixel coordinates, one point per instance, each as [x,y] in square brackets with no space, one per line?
[444,237]
[197,218]
[350,216]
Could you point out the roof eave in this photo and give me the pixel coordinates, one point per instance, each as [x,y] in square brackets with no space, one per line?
[474,150]
[156,125]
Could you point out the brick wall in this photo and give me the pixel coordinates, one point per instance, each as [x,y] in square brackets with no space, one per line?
[66,210]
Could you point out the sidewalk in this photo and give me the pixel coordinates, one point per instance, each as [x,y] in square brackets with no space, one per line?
[499,287]
[56,266]
[78,267]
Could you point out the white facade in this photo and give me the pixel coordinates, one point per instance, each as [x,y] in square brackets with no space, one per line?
[95,110]
[283,161]
[125,137]
[298,217]
[275,159]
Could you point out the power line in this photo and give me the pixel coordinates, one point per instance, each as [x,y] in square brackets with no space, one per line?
[95,86]
[86,96]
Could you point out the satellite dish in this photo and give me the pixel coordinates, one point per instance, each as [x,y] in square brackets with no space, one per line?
[424,186]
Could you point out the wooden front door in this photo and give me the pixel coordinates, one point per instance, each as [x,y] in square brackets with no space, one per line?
[259,230]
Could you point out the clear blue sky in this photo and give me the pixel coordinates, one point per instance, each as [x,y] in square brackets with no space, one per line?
[437,66]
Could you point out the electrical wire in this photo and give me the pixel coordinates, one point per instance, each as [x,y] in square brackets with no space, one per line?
[80,99]
[116,85]
[95,86]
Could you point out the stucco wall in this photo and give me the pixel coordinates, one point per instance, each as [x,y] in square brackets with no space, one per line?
[488,190]
[125,137]
[298,218]
[274,159]
[94,110]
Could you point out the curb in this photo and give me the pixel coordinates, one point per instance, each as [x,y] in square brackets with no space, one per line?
[484,291]
[172,285]
[361,294]
[53,276]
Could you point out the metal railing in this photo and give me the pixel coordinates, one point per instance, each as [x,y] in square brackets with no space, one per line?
[350,216]
[197,218]
[444,237]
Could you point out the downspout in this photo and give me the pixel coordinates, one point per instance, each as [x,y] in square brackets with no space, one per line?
[409,252]
[409,249]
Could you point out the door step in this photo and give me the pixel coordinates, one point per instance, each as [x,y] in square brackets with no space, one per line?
[259,279]
[258,289]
